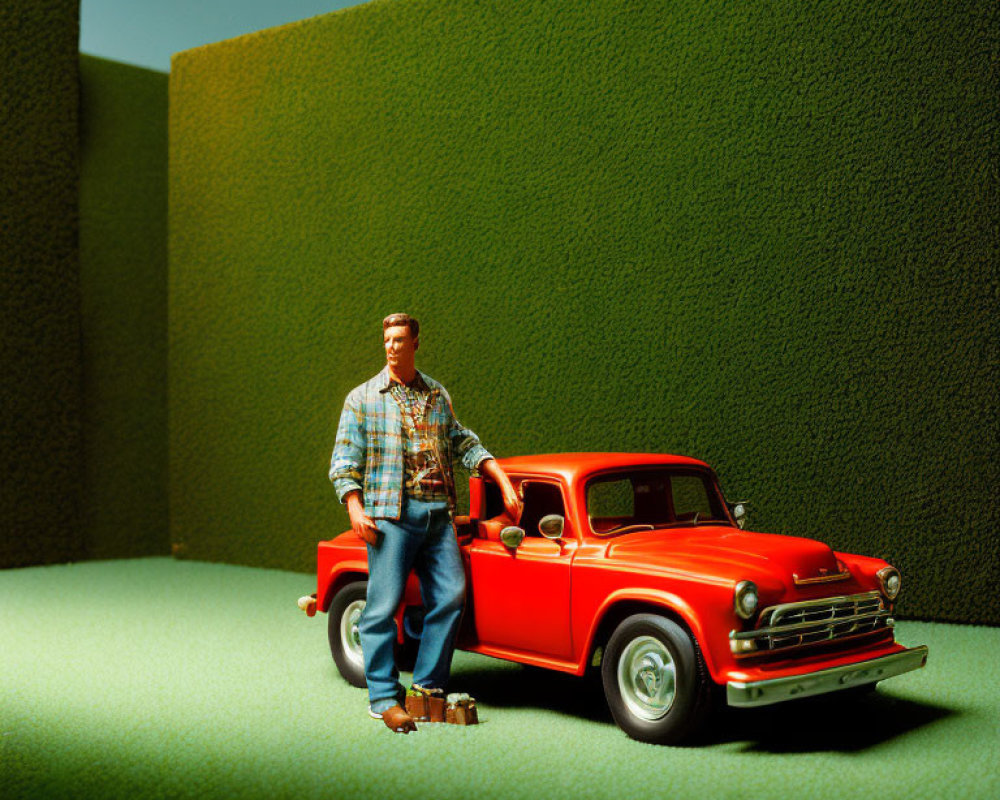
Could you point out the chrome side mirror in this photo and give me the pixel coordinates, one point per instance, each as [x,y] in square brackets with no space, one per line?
[512,536]
[739,509]
[551,526]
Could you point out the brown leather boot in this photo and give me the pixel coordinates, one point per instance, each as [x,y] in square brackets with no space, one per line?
[397,720]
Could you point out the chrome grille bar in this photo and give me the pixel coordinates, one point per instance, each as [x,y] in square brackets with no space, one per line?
[792,625]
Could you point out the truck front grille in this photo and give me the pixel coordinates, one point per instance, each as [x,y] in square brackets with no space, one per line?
[792,625]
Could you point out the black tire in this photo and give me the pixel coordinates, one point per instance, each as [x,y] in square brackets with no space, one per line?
[655,681]
[406,654]
[342,629]
[413,626]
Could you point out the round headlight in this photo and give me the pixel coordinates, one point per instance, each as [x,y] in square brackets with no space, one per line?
[890,581]
[745,599]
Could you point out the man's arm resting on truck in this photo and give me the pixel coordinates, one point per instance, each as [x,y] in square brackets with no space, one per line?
[511,501]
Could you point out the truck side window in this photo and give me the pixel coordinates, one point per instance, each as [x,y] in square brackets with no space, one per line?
[540,499]
[494,500]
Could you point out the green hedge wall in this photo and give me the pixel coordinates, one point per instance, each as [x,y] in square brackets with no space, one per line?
[123,266]
[760,234]
[83,223]
[40,444]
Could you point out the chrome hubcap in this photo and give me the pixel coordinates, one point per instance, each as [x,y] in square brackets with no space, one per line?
[647,677]
[350,638]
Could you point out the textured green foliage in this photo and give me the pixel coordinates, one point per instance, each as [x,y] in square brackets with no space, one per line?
[763,236]
[123,266]
[40,447]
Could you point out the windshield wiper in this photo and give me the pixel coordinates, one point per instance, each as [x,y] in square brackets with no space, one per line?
[690,523]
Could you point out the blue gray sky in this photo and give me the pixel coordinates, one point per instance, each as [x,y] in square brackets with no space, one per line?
[147,32]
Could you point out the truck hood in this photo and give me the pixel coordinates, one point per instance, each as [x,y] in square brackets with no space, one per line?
[726,552]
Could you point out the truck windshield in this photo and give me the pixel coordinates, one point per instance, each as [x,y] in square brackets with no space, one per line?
[642,499]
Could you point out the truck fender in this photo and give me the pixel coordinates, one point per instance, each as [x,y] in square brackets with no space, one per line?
[671,604]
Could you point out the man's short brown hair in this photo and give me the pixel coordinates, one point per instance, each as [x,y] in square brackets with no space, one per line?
[395,320]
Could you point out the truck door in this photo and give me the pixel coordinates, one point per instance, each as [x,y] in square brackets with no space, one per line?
[521,597]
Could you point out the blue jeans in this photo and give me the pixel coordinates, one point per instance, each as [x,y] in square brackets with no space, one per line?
[422,539]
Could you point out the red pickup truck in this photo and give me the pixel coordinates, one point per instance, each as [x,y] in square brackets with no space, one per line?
[636,565]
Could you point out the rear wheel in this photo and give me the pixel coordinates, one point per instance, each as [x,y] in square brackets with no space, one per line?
[413,628]
[345,640]
[654,680]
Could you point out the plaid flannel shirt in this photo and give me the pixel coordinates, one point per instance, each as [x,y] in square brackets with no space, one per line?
[368,454]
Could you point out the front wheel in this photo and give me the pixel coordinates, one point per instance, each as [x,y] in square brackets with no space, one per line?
[654,680]
[345,641]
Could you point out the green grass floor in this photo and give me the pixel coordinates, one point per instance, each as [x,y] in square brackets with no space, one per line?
[159,678]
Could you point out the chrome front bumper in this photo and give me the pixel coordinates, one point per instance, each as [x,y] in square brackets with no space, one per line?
[746,694]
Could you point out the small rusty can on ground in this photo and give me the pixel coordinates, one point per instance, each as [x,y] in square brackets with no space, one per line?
[425,707]
[435,709]
[416,707]
[461,710]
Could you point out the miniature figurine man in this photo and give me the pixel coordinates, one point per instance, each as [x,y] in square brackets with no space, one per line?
[392,467]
